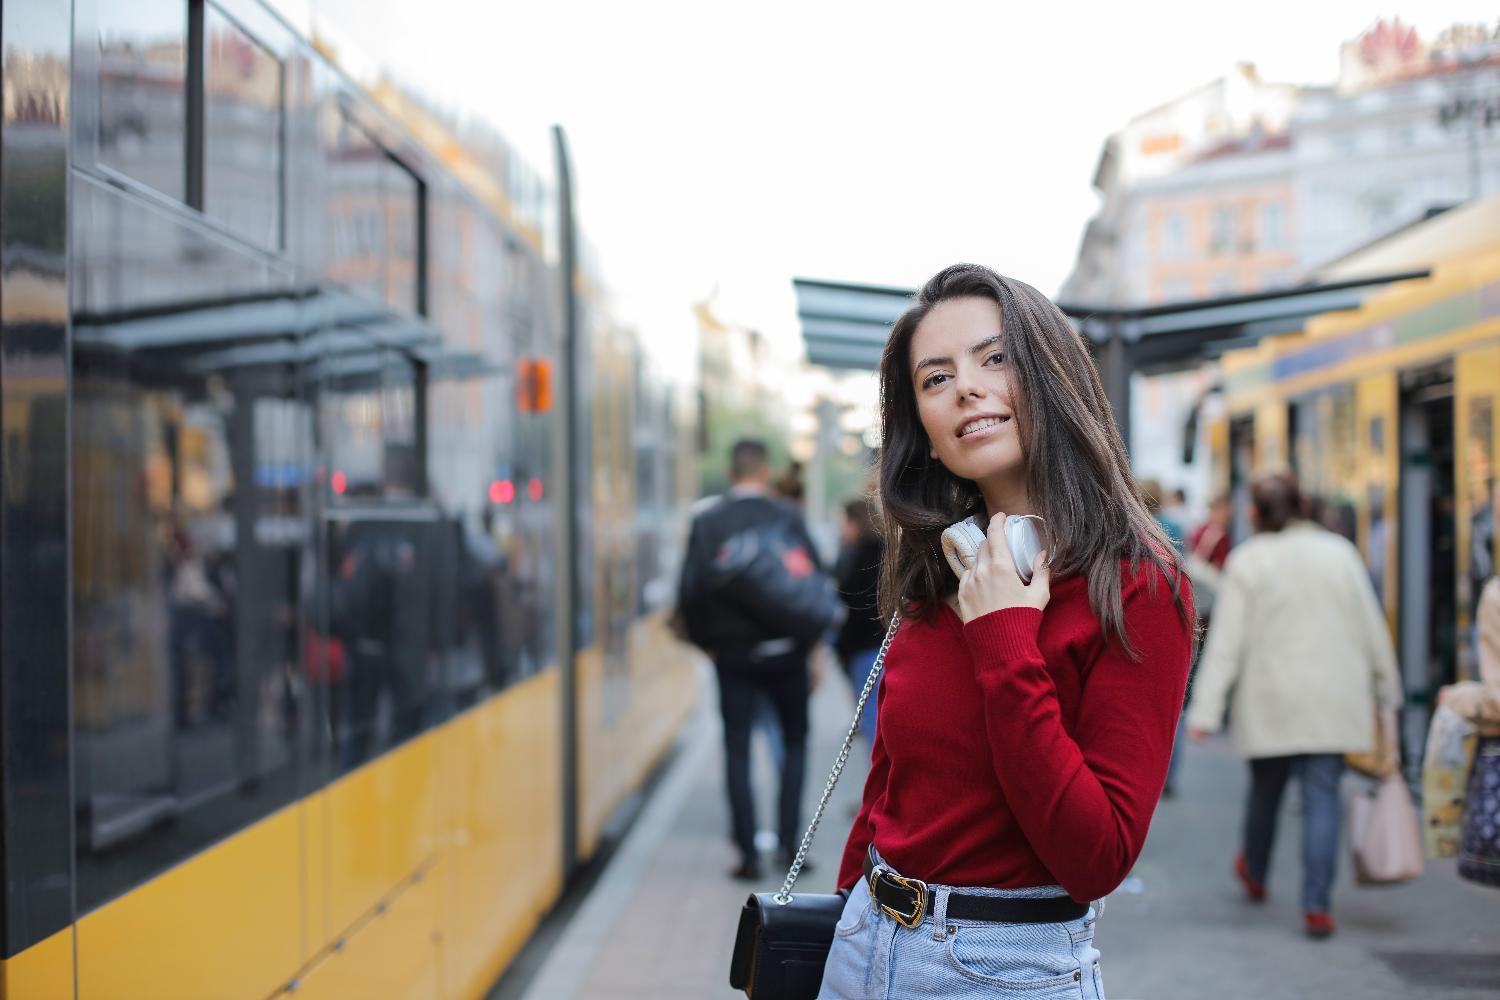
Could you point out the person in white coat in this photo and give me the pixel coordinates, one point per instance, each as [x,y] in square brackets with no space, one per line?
[1301,643]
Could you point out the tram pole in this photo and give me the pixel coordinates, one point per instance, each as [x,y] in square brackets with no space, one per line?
[566,495]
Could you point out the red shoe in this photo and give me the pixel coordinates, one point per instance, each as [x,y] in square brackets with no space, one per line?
[1253,889]
[1319,925]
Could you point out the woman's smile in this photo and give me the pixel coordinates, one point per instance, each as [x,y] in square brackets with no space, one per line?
[982,427]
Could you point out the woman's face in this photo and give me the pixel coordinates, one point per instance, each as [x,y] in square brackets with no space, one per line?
[965,396]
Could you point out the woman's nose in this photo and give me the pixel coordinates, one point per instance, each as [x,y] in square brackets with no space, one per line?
[970,386]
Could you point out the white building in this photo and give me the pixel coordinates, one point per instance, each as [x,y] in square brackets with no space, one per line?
[1242,185]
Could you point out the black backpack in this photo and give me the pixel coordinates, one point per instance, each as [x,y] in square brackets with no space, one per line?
[767,571]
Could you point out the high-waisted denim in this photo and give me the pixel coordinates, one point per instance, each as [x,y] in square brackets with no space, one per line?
[874,957]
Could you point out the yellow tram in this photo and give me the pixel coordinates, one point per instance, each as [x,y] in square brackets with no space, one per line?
[1390,415]
[339,519]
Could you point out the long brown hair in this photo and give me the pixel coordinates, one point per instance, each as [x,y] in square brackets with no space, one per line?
[1077,472]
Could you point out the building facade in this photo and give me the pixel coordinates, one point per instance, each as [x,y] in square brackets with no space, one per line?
[1242,185]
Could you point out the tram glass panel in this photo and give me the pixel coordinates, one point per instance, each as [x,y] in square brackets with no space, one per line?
[1478,456]
[401,203]
[354,255]
[374,209]
[242,131]
[479,481]
[1324,436]
[389,565]
[142,92]
[189,528]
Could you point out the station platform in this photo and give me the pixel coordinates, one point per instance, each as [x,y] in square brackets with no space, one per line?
[659,921]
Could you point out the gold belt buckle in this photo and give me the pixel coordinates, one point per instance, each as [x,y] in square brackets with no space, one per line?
[916,885]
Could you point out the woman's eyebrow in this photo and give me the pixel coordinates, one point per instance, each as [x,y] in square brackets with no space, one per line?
[934,360]
[943,359]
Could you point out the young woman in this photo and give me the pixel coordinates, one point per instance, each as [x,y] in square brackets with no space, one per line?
[1024,729]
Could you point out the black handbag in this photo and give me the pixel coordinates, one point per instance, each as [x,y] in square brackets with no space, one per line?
[783,939]
[767,571]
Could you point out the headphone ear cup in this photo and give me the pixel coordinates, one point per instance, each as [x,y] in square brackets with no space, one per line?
[961,543]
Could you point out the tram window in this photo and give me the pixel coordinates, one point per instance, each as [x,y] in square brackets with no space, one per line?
[242,122]
[385,583]
[189,530]
[371,429]
[401,196]
[375,207]
[355,256]
[143,92]
[1484,494]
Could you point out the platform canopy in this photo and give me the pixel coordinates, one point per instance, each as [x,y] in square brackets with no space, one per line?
[845,325]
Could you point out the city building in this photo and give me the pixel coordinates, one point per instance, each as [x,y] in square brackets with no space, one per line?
[1241,185]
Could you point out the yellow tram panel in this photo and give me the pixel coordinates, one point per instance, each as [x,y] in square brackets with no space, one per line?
[225,923]
[42,972]
[501,801]
[382,827]
[392,954]
[1376,403]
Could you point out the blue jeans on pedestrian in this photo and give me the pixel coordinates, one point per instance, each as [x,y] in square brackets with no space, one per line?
[859,666]
[874,957]
[1318,774]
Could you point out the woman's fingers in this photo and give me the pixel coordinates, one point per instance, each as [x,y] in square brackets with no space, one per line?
[1041,577]
[997,546]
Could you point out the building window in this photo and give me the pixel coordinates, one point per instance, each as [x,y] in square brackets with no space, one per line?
[1222,285]
[375,208]
[1273,225]
[242,131]
[143,70]
[1221,235]
[1176,290]
[1174,236]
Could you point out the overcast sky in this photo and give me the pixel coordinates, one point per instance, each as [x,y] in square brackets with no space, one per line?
[736,144]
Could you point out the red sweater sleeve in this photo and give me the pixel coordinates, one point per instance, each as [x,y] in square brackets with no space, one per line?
[1084,805]
[851,866]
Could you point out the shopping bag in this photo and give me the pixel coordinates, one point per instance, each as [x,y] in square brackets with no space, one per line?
[1445,770]
[1384,834]
[1382,761]
[1479,854]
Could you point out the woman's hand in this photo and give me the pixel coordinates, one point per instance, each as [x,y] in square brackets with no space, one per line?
[992,582]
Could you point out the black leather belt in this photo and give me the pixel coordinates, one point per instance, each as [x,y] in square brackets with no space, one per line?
[906,899]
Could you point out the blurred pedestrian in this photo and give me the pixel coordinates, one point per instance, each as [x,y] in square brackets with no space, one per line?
[789,485]
[1209,541]
[1024,727]
[1299,639]
[1152,495]
[1207,548]
[1175,507]
[751,656]
[1478,702]
[858,573]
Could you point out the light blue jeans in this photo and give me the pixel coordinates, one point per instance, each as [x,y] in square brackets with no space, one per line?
[874,957]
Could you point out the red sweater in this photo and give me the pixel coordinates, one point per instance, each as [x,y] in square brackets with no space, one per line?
[1022,749]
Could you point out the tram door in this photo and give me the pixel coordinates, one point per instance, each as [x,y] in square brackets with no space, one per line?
[1477,413]
[1241,468]
[1427,552]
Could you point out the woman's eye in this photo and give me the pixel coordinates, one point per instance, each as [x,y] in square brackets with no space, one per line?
[997,358]
[936,378]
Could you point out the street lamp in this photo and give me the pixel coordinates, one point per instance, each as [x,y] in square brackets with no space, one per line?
[1476,113]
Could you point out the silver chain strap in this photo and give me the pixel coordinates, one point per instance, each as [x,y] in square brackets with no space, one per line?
[785,895]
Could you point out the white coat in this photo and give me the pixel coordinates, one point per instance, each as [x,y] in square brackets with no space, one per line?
[1299,640]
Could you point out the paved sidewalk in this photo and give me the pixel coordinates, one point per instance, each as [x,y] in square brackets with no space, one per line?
[660,921]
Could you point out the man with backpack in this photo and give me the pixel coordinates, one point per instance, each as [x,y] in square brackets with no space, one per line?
[754,597]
